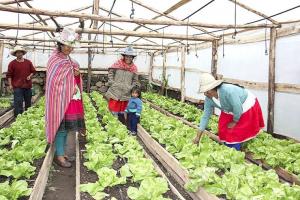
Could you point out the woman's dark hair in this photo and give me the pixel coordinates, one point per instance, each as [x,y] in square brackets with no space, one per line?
[59,46]
[137,90]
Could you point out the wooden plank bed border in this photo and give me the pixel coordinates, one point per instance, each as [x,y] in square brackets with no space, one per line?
[171,164]
[42,178]
[282,173]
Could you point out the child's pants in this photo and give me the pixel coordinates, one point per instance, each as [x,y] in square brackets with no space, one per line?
[133,121]
[60,143]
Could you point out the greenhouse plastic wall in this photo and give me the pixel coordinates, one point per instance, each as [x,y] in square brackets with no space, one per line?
[248,62]
[243,62]
[102,61]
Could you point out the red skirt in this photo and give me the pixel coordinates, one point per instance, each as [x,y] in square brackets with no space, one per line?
[117,106]
[246,128]
[74,110]
[74,117]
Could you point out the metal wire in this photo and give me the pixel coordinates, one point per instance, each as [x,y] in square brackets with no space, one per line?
[223,45]
[132,11]
[266,45]
[235,32]
[187,37]
[18,6]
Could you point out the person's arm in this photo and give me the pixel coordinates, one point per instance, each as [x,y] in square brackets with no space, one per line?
[9,75]
[32,71]
[237,106]
[111,76]
[129,102]
[135,80]
[139,107]
[208,110]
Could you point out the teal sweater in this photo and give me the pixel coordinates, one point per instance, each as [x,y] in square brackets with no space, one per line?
[231,98]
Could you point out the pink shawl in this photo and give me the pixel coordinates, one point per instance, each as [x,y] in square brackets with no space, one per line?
[60,87]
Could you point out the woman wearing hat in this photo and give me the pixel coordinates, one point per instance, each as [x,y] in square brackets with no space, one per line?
[19,74]
[241,116]
[64,108]
[122,77]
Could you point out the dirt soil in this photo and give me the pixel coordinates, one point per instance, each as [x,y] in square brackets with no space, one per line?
[62,181]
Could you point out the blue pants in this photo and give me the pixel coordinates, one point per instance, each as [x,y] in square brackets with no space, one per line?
[60,143]
[20,95]
[133,121]
[237,146]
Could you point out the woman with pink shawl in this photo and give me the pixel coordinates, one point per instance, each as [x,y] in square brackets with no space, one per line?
[64,108]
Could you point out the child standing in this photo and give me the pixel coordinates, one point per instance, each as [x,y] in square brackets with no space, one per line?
[133,110]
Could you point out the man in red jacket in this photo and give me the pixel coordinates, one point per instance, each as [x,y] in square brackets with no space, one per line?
[19,74]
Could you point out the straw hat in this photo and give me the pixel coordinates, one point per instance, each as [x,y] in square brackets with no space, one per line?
[18,48]
[68,37]
[208,82]
[129,51]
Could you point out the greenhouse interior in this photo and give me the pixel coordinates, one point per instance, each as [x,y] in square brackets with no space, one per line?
[149,100]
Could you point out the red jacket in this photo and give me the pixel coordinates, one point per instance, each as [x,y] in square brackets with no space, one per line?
[18,72]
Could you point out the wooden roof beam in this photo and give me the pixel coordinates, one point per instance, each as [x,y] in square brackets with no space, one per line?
[81,41]
[116,14]
[176,6]
[141,25]
[39,17]
[75,10]
[12,2]
[128,20]
[166,14]
[254,11]
[107,46]
[96,31]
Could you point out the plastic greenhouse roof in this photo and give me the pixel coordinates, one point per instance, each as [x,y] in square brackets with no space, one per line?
[217,12]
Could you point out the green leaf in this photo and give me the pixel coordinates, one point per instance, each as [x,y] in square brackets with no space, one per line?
[100,195]
[125,171]
[91,188]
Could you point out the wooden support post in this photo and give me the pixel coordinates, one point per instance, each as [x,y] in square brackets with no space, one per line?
[151,67]
[182,72]
[95,12]
[1,60]
[164,70]
[271,87]
[214,58]
[77,189]
[89,67]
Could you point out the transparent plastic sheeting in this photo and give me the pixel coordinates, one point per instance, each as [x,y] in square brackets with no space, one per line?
[249,62]
[102,61]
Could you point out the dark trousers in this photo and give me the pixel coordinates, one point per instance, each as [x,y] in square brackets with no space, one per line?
[236,146]
[133,121]
[20,95]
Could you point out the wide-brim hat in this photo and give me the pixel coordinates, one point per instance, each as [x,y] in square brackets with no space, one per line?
[68,37]
[208,82]
[18,48]
[129,51]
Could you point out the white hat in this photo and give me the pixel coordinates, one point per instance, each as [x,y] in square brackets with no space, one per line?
[129,51]
[18,48]
[208,82]
[68,37]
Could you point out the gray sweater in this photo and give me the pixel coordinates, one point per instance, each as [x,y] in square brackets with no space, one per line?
[120,83]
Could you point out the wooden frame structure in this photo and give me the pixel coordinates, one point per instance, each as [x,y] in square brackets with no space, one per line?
[208,39]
